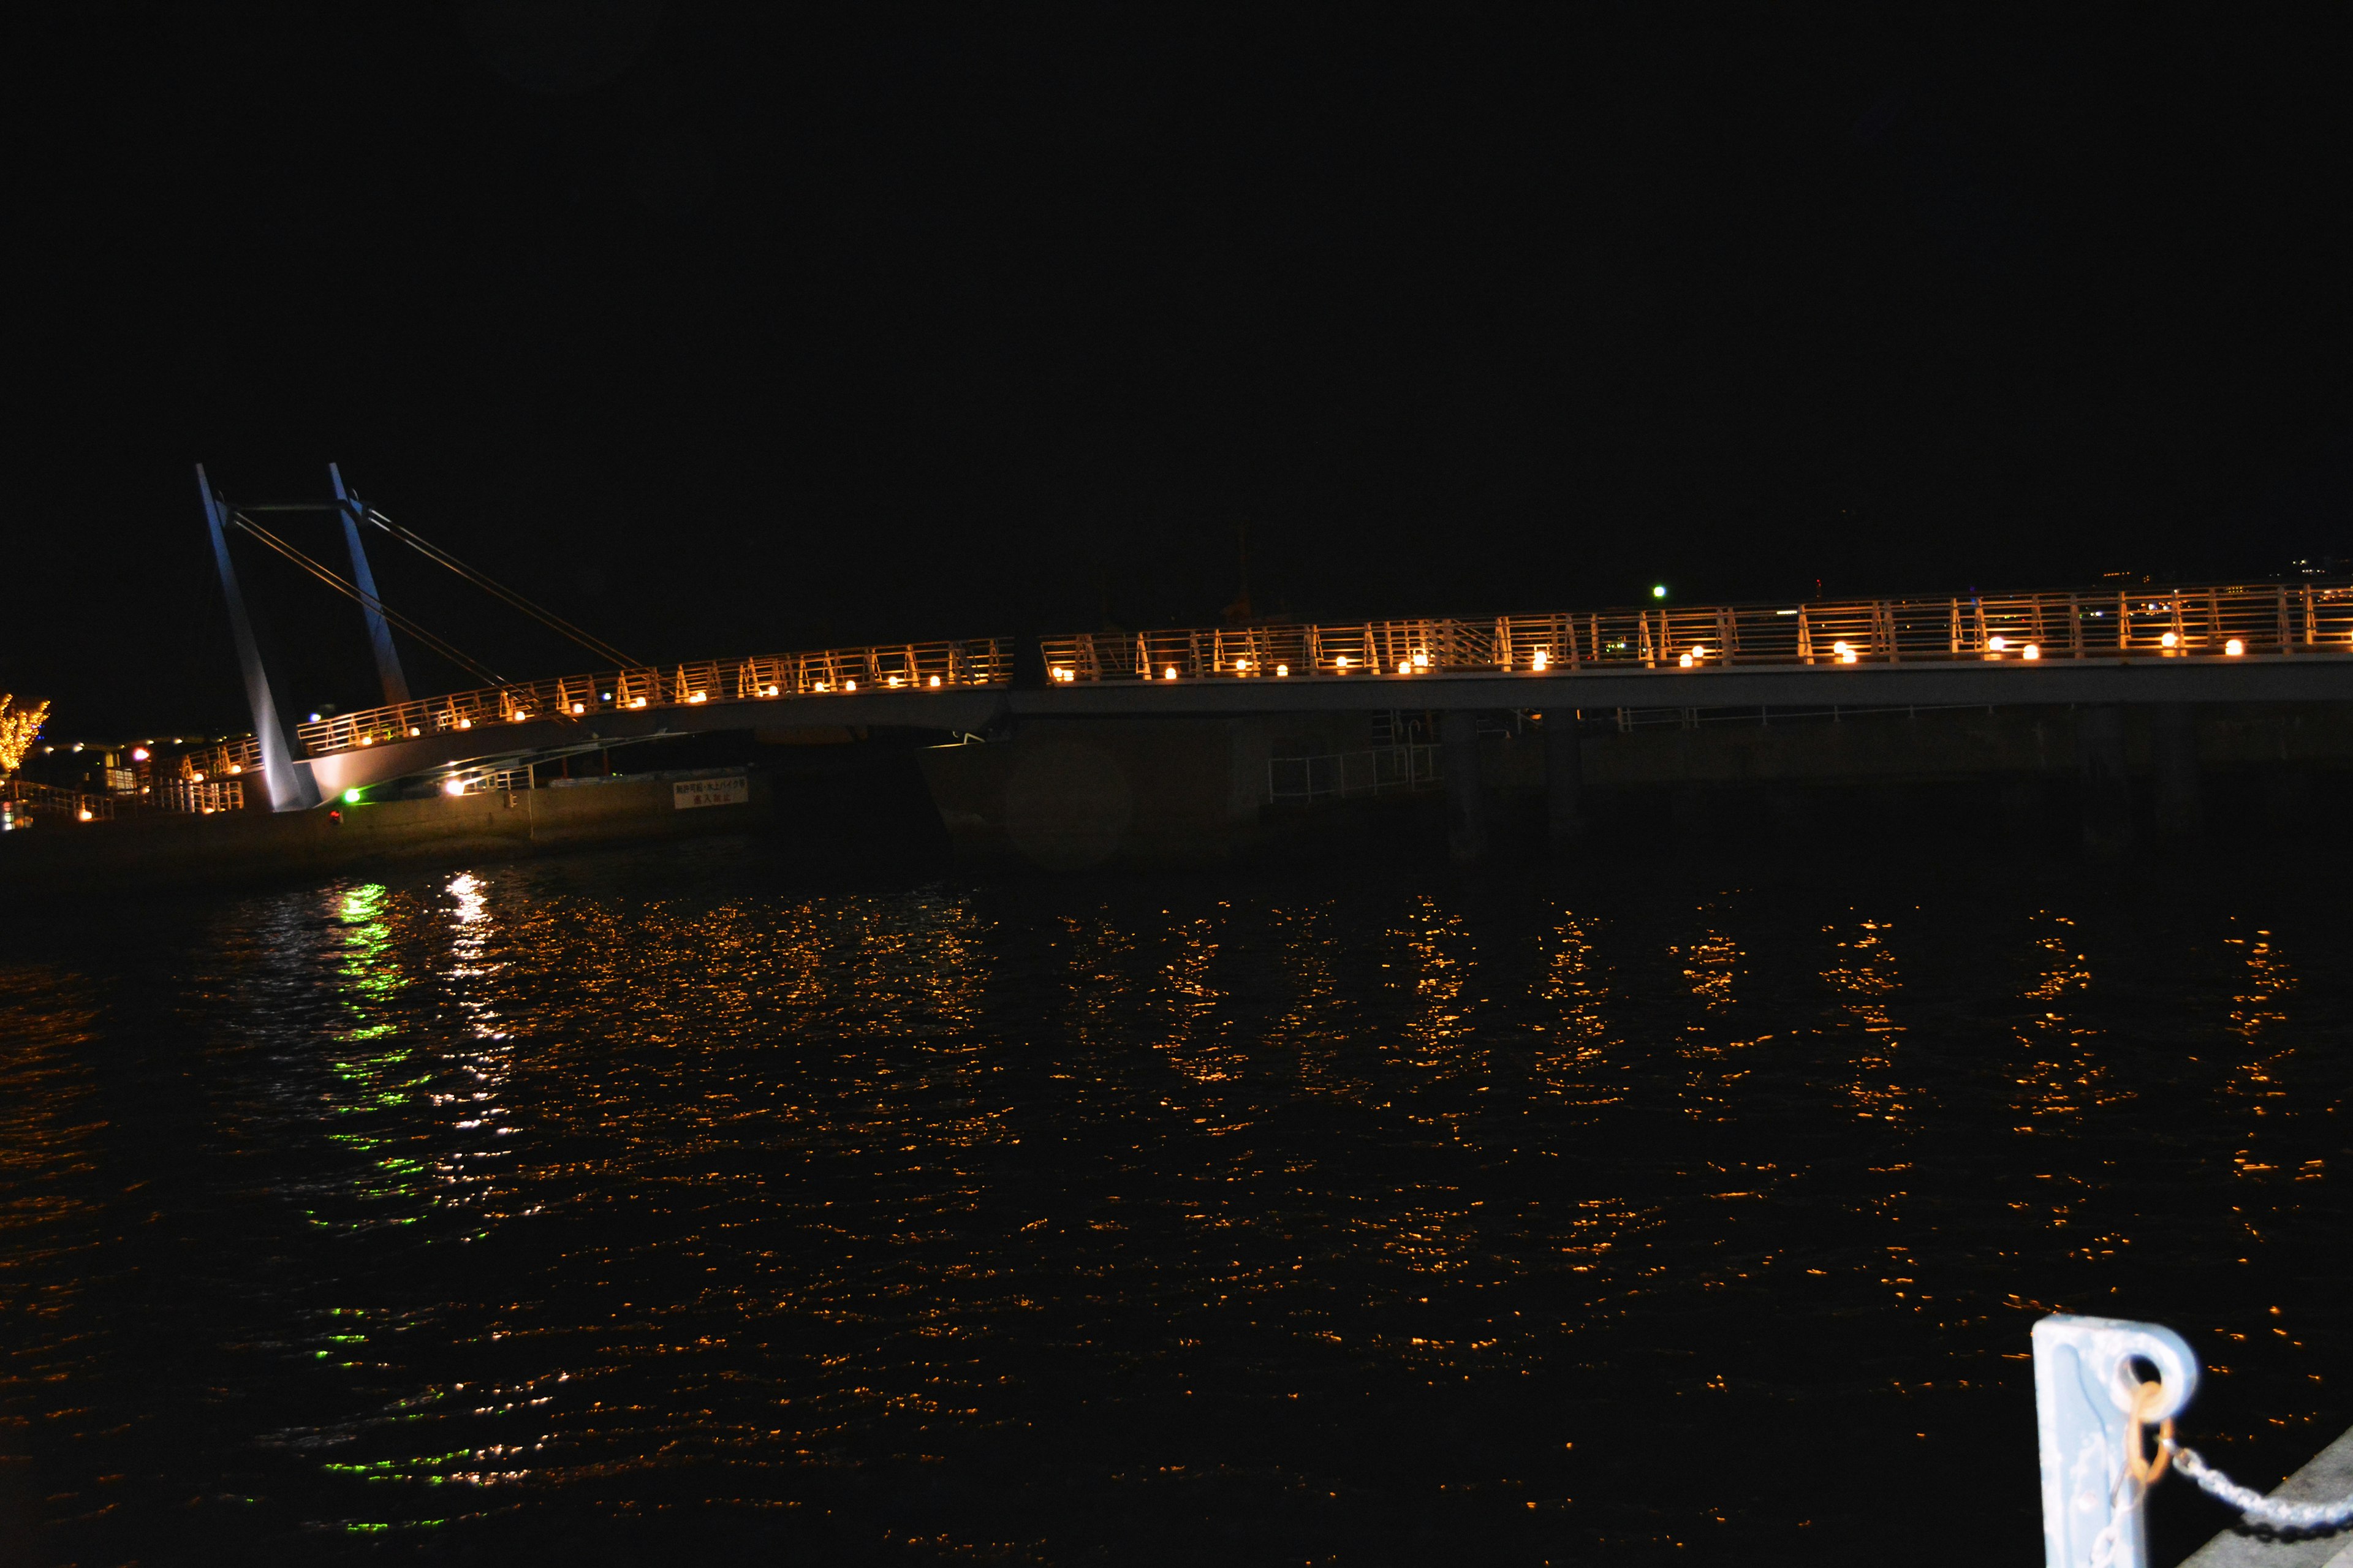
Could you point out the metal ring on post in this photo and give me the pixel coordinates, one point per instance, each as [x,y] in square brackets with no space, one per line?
[2147,1471]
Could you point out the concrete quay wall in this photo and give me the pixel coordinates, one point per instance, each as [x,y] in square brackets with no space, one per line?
[1071,793]
[240,845]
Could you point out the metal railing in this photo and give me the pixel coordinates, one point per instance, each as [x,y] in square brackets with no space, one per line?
[29,800]
[203,796]
[2215,621]
[1343,773]
[2202,622]
[980,661]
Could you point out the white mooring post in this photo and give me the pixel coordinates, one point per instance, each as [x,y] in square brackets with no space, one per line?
[2089,1411]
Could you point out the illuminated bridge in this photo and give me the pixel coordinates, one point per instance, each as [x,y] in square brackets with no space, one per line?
[2238,643]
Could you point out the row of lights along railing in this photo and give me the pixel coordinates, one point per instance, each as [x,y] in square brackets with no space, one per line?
[2223,622]
[2219,621]
[984,661]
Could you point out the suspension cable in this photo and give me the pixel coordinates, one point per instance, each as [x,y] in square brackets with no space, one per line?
[352,591]
[490,586]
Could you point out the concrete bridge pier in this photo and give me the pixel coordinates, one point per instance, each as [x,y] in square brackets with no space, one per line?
[2173,745]
[2107,785]
[1466,795]
[1563,785]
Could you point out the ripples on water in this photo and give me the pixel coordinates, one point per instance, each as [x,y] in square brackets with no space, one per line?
[604,1207]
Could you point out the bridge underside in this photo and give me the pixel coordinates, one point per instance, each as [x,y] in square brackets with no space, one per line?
[2311,678]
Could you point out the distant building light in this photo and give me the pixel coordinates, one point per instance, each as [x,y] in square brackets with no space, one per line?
[138,753]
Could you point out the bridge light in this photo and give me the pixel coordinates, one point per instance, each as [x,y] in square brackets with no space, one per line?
[2031,651]
[1405,667]
[236,767]
[455,786]
[138,753]
[936,681]
[2169,640]
[1996,644]
[580,708]
[1169,674]
[197,778]
[696,696]
[367,740]
[640,701]
[1341,662]
[892,682]
[1421,660]
[1542,658]
[85,813]
[2234,648]
[465,724]
[1282,669]
[1685,661]
[849,686]
[413,732]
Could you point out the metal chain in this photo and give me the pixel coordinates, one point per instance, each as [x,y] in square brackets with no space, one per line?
[2314,1515]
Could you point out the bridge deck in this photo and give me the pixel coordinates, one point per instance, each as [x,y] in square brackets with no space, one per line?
[2265,642]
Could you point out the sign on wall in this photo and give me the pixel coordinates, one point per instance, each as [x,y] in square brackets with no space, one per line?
[734,789]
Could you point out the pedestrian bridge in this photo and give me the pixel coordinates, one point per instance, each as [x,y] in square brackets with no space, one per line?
[2265,642]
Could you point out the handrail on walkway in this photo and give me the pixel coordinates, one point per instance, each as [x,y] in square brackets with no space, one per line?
[2212,621]
[2215,621]
[925,666]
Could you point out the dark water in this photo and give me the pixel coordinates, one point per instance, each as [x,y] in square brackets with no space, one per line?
[672,1206]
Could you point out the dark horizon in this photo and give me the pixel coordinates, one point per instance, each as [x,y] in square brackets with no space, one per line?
[733,333]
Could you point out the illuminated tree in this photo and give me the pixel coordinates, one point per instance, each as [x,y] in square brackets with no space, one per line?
[17,728]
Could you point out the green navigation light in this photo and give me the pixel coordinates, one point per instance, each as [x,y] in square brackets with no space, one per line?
[1659,590]
[350,797]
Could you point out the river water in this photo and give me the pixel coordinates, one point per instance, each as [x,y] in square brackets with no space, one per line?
[680,1203]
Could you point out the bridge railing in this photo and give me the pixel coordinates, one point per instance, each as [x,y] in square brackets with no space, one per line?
[979,661]
[2212,621]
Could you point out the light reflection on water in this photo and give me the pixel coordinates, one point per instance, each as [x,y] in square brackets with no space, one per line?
[1279,1219]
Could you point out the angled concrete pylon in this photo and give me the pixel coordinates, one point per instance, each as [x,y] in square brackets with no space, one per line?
[352,510]
[289,783]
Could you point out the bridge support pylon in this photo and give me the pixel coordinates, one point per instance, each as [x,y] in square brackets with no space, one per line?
[2107,784]
[1466,795]
[288,784]
[1563,785]
[2173,746]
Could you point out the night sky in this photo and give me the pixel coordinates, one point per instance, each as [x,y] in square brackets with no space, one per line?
[726,329]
